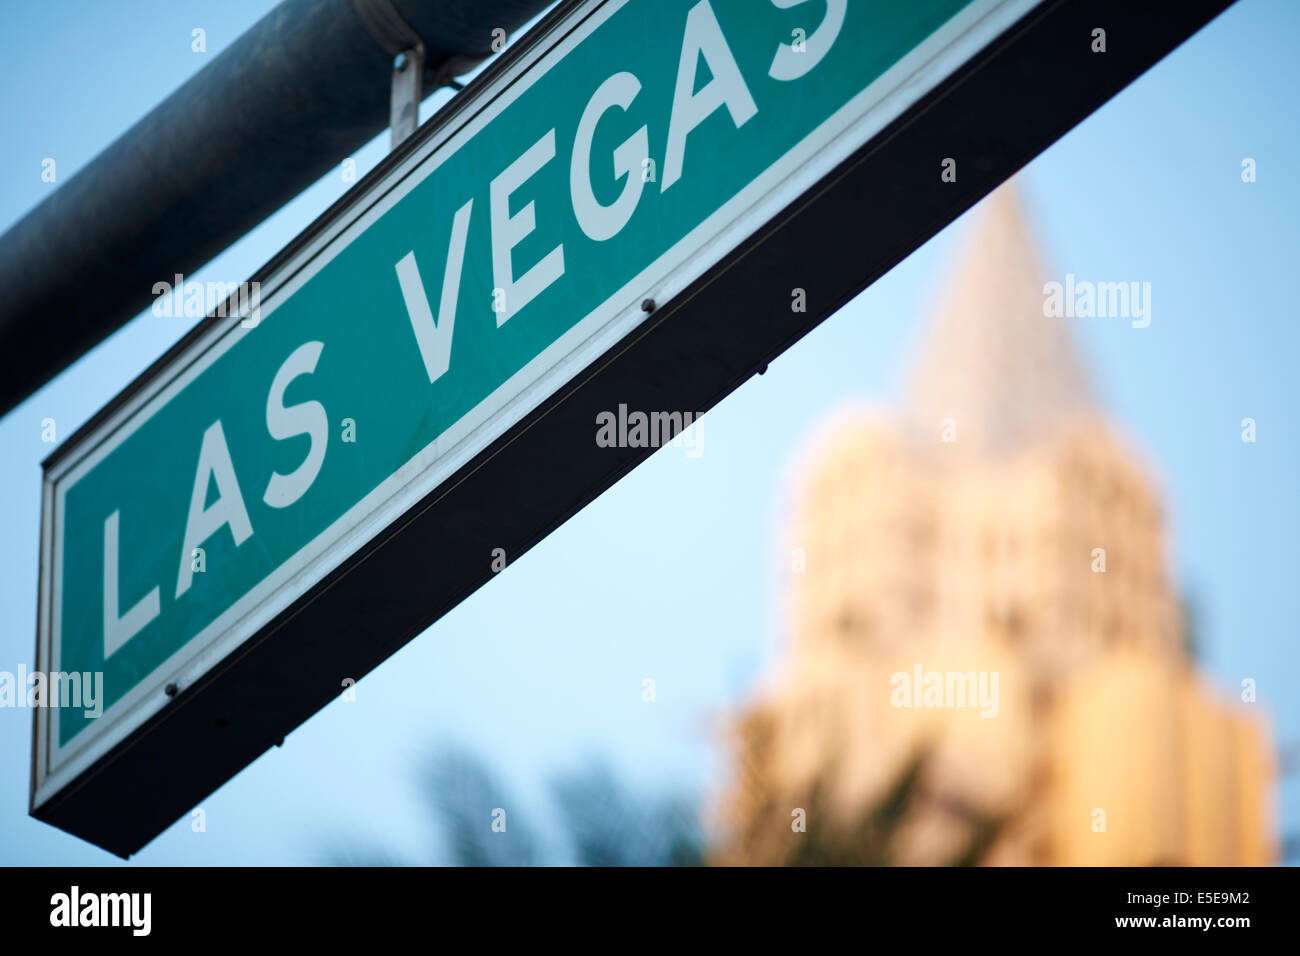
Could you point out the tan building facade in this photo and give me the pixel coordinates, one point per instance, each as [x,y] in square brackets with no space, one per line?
[986,658]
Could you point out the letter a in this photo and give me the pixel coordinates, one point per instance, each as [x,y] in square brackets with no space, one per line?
[726,88]
[203,523]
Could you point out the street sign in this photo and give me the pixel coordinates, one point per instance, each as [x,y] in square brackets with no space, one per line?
[638,206]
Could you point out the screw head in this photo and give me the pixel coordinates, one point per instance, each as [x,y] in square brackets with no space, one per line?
[648,305]
[171,690]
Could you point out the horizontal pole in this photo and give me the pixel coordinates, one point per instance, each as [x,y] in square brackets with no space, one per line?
[303,88]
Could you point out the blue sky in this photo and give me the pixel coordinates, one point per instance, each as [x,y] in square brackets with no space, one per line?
[674,573]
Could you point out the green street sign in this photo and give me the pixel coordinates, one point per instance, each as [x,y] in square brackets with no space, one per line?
[546,221]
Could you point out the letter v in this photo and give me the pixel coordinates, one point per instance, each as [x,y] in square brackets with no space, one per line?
[435,340]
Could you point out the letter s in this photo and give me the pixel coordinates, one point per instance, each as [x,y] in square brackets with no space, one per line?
[309,418]
[789,64]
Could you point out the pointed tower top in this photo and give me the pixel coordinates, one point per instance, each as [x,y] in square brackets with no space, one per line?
[1002,371]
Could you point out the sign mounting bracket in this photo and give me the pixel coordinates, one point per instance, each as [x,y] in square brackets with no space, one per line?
[404,105]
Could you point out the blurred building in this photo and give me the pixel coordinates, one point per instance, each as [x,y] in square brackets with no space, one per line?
[987,659]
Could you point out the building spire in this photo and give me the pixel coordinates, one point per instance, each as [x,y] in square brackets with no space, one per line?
[1004,373]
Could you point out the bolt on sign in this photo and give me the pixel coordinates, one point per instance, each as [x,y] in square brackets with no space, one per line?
[614,213]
